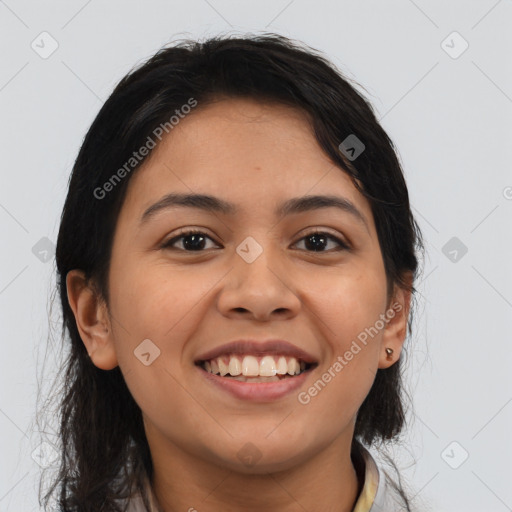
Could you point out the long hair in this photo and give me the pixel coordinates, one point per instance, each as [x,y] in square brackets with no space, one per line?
[104,455]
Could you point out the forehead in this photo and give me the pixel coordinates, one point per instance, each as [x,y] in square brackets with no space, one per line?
[244,130]
[251,153]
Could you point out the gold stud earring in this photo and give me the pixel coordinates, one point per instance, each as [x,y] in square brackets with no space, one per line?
[389,352]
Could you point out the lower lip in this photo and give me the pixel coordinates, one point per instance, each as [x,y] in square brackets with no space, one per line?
[257,391]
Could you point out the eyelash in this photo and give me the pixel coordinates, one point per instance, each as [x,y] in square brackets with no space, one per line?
[168,244]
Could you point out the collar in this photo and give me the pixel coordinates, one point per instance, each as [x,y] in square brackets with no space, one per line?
[372,479]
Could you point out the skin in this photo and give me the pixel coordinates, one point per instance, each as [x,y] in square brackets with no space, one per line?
[190,302]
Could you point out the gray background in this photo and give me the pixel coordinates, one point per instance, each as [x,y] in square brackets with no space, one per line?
[449,114]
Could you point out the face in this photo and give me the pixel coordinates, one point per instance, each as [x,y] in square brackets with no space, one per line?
[312,276]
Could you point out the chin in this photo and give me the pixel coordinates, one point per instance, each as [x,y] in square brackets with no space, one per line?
[259,458]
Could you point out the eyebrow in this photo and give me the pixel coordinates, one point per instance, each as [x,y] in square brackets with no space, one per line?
[214,204]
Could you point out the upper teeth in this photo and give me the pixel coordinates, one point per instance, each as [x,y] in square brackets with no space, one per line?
[252,366]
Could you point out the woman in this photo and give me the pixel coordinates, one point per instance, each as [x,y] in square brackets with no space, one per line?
[236,260]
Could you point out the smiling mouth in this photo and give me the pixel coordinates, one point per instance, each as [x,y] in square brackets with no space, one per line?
[250,368]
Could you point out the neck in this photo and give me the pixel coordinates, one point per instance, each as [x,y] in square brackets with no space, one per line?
[326,480]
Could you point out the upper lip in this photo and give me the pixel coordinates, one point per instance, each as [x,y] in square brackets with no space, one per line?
[258,348]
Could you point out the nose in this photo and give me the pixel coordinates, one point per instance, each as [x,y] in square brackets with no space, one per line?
[260,290]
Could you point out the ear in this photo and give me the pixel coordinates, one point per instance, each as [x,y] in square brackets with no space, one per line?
[395,331]
[92,320]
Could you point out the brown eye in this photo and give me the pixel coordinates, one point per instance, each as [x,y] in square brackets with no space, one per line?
[317,241]
[195,241]
[192,241]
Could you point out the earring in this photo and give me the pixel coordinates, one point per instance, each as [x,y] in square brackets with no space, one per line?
[389,352]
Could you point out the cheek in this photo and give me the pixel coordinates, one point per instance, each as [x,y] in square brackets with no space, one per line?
[161,304]
[350,309]
[164,307]
[334,397]
[348,305]
[154,297]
